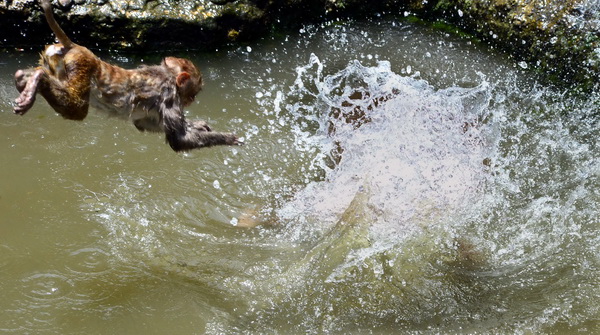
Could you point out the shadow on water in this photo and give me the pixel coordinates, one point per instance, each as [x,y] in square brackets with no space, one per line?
[402,179]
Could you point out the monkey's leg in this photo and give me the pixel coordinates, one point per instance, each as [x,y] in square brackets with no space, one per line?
[70,104]
[27,82]
[63,101]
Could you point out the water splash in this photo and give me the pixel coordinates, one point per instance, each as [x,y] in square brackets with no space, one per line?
[398,203]
[419,149]
[435,201]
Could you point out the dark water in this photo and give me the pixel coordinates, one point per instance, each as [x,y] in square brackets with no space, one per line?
[406,181]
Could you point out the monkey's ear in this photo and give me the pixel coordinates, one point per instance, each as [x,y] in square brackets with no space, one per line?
[182,78]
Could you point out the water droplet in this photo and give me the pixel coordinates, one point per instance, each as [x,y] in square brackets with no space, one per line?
[523,64]
[216,184]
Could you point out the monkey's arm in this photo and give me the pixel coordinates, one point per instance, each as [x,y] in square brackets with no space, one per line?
[184,136]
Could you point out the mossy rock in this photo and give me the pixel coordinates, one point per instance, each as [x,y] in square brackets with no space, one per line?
[558,38]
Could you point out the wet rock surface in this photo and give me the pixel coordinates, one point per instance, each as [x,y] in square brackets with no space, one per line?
[133,25]
[560,38]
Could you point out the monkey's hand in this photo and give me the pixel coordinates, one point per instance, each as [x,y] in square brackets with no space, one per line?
[237,141]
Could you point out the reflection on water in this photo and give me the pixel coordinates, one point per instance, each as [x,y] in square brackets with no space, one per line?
[405,181]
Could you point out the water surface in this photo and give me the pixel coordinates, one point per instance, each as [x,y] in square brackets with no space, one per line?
[405,180]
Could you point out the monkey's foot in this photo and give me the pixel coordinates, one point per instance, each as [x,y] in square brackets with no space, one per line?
[24,102]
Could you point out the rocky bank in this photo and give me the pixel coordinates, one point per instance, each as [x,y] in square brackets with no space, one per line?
[560,38]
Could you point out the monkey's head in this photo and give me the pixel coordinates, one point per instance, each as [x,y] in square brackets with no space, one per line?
[188,78]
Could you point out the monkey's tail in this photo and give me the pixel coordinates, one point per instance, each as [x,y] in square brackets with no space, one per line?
[60,34]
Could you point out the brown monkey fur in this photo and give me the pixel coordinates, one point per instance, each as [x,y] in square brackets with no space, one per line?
[70,77]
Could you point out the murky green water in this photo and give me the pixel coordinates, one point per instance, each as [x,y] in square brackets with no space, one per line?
[408,182]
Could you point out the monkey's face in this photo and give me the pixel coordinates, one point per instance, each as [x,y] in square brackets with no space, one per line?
[189,79]
[187,88]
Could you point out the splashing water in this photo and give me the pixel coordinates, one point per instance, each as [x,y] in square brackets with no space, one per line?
[422,209]
[442,209]
[419,151]
[408,182]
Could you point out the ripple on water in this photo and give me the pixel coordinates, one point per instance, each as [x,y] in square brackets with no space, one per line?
[88,261]
[42,295]
[46,287]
